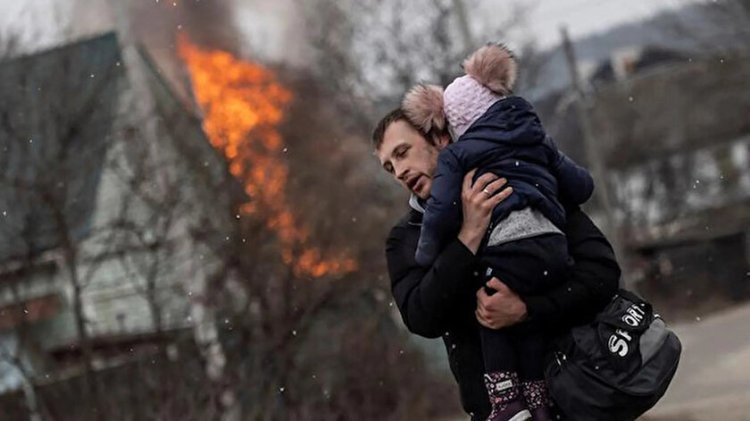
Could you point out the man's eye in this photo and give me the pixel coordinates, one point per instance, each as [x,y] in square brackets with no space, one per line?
[401,153]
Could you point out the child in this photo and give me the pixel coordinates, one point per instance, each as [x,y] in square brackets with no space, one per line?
[525,248]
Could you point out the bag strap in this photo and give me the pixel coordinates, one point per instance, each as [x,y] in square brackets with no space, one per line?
[606,318]
[630,296]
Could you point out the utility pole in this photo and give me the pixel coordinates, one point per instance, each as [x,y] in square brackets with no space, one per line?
[593,153]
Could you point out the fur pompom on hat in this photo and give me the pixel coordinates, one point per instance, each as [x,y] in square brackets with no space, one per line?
[490,75]
[495,67]
[423,105]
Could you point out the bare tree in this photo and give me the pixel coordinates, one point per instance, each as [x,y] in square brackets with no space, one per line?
[371,52]
[151,235]
[52,163]
[54,166]
[17,314]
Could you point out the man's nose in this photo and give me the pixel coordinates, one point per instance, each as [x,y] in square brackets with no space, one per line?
[401,172]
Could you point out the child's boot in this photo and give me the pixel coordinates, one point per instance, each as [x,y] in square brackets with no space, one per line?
[536,395]
[505,397]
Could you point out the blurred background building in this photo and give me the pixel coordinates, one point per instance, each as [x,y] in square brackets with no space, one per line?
[101,220]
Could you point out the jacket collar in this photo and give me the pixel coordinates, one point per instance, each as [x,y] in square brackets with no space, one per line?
[417,210]
[415,204]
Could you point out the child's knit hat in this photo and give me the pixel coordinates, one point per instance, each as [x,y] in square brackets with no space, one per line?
[491,73]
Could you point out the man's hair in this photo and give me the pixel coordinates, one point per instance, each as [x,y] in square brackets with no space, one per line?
[395,115]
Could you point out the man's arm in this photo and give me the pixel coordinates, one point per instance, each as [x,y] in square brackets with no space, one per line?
[428,296]
[593,281]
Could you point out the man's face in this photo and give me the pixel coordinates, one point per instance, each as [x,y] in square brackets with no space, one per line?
[406,154]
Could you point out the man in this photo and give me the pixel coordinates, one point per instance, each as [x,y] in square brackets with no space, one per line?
[439,301]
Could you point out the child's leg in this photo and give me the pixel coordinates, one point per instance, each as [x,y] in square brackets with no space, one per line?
[530,347]
[514,362]
[501,376]
[497,350]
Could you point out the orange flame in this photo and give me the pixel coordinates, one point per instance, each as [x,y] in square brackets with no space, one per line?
[243,104]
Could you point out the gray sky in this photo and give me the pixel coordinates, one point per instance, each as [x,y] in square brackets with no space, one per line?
[582,17]
[270,30]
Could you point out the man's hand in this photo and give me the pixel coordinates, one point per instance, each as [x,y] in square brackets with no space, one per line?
[479,199]
[501,309]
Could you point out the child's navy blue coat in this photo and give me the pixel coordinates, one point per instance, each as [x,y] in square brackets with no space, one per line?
[509,141]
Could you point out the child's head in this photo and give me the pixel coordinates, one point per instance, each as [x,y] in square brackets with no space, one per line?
[490,75]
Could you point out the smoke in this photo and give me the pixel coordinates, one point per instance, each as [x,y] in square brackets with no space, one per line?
[259,30]
[208,23]
[273,31]
[157,24]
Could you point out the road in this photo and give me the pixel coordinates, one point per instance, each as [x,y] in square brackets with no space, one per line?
[713,379]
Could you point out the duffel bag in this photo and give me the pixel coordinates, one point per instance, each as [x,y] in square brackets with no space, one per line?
[617,367]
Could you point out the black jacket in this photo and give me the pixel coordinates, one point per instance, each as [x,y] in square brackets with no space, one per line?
[508,140]
[439,301]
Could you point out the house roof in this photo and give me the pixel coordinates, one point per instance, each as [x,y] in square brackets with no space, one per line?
[670,103]
[672,108]
[55,125]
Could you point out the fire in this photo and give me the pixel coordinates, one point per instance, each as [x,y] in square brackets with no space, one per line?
[243,105]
